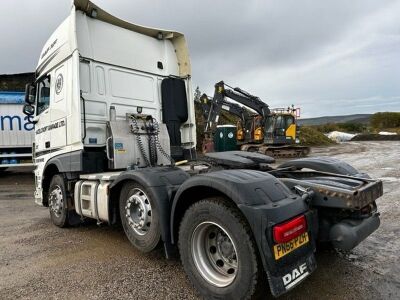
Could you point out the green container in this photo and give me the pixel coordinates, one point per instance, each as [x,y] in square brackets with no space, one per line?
[225,138]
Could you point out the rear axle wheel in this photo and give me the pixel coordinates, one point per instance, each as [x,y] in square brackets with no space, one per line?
[218,251]
[139,217]
[214,254]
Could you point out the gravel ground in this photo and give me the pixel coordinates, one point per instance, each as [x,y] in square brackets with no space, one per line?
[39,260]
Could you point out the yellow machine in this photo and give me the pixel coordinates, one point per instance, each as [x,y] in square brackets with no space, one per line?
[281,126]
[269,131]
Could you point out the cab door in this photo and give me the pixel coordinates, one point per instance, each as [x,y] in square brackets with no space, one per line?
[51,112]
[42,134]
[58,108]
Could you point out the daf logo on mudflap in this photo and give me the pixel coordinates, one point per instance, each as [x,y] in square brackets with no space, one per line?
[294,277]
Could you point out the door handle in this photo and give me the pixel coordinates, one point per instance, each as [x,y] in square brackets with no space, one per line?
[47,144]
[108,147]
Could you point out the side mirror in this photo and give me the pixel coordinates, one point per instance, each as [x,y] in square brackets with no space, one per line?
[28,109]
[30,92]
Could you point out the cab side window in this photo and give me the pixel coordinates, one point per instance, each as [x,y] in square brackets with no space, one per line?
[43,97]
[279,122]
[280,126]
[289,121]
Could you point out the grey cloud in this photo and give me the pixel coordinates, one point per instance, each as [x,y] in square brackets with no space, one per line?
[312,53]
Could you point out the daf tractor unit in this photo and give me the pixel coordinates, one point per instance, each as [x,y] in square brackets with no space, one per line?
[114,141]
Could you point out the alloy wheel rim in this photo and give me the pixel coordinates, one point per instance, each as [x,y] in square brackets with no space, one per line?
[214,254]
[56,202]
[138,212]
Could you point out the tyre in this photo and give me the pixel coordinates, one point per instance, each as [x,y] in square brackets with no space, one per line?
[139,217]
[57,199]
[218,252]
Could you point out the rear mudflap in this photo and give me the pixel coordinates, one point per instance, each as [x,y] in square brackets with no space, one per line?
[291,275]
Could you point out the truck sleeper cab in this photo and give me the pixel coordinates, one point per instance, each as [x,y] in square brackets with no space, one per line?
[114,130]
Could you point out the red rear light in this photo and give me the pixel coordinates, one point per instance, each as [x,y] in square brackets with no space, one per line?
[289,230]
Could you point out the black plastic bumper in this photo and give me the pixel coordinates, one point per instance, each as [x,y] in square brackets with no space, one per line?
[348,233]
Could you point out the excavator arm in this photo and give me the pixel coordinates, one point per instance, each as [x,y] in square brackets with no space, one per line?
[246,99]
[212,110]
[218,103]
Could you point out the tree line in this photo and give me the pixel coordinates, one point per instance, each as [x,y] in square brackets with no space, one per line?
[383,120]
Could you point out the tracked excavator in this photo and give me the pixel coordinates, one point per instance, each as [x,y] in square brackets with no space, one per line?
[259,128]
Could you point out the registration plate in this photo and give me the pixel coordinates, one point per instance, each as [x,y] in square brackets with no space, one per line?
[280,250]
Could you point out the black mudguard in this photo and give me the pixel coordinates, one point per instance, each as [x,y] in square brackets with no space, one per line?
[324,164]
[264,202]
[162,184]
[247,189]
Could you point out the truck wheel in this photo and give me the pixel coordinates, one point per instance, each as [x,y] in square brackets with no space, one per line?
[139,217]
[57,199]
[218,252]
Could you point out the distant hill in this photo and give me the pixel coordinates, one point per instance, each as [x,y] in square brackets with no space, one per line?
[15,82]
[357,118]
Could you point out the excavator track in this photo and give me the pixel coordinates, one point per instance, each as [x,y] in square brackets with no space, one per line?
[284,151]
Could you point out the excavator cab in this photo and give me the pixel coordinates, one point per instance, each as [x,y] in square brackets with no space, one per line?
[280,129]
[285,126]
[240,131]
[258,129]
[290,125]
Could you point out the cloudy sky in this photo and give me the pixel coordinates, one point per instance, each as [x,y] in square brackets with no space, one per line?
[328,57]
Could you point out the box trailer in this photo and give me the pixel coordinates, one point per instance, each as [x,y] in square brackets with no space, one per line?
[16,131]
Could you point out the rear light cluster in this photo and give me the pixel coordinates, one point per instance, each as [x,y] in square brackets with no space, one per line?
[287,231]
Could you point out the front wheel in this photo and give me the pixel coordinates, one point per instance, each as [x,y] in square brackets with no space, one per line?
[57,199]
[218,252]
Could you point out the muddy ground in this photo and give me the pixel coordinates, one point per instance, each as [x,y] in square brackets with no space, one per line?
[39,260]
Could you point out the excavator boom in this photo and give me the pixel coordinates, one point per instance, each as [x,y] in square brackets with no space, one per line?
[209,106]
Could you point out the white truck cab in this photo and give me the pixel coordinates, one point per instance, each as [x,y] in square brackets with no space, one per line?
[94,62]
